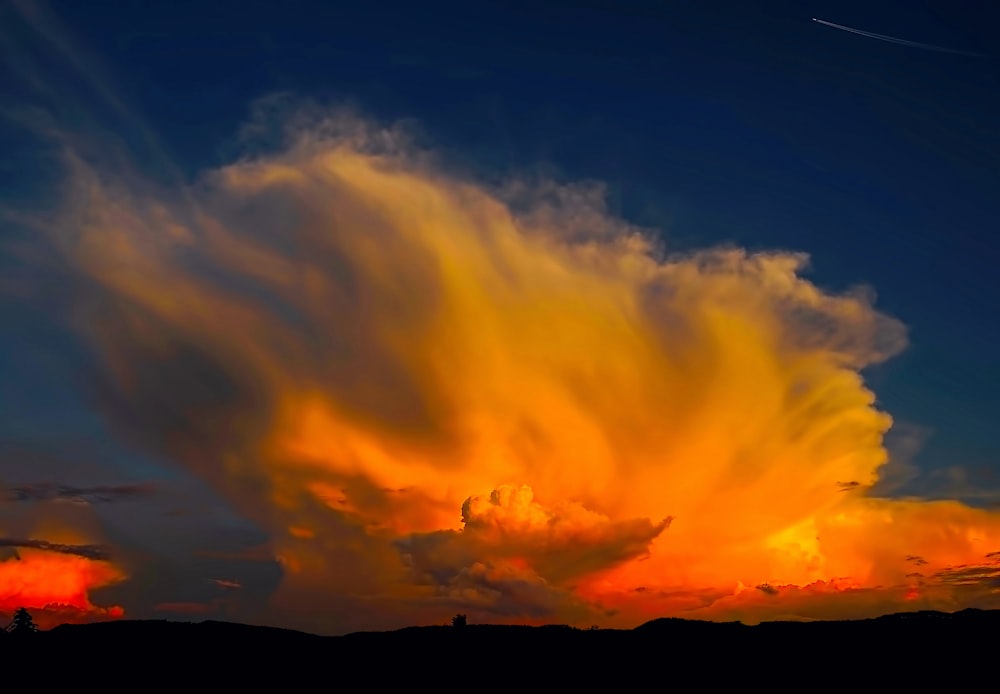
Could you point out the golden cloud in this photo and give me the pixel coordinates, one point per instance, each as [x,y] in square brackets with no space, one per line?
[355,346]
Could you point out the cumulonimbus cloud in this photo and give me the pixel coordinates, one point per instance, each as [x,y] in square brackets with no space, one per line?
[349,342]
[55,581]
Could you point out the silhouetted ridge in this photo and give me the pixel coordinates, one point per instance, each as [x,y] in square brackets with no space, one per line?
[717,653]
[686,624]
[131,628]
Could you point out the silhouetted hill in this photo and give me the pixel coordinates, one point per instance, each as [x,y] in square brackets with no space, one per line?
[898,649]
[208,631]
[905,622]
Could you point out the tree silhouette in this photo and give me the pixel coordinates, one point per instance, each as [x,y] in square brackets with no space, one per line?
[458,620]
[22,623]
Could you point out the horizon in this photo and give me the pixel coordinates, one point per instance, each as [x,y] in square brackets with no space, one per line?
[591,628]
[319,316]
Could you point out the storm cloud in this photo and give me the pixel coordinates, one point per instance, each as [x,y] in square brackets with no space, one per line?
[435,393]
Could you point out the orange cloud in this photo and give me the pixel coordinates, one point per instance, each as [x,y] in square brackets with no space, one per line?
[354,346]
[514,556]
[567,542]
[56,587]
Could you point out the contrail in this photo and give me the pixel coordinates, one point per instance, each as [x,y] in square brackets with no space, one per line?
[893,39]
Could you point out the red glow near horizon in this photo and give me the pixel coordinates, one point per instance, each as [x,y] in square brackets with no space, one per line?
[56,588]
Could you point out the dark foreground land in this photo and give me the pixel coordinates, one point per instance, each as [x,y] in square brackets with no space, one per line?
[913,650]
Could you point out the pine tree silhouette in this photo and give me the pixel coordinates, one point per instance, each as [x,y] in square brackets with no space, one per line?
[22,623]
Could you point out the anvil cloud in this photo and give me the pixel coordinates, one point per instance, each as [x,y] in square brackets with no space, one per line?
[437,395]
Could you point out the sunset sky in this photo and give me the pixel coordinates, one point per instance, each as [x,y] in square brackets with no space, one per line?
[352,316]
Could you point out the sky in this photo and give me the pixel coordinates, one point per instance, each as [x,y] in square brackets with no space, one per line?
[354,316]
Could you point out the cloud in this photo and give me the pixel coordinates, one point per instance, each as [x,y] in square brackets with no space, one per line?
[979,576]
[56,586]
[514,553]
[96,552]
[903,442]
[249,554]
[55,580]
[351,344]
[98,494]
[506,590]
[565,542]
[35,36]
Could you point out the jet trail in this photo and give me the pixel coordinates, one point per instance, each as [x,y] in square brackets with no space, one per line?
[893,39]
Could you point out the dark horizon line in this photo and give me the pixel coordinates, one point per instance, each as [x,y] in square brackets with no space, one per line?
[925,614]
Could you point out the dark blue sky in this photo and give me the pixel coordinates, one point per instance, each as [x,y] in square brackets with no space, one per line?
[715,122]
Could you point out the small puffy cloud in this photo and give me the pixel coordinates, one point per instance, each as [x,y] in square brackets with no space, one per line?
[562,542]
[513,548]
